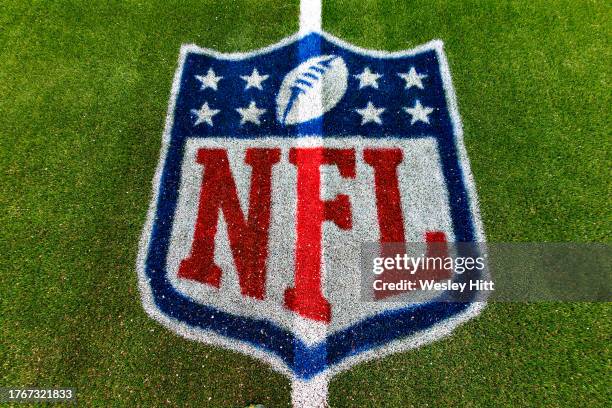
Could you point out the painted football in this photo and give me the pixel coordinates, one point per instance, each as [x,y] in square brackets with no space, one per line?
[311,89]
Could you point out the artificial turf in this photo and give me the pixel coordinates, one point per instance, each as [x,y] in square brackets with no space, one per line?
[83,96]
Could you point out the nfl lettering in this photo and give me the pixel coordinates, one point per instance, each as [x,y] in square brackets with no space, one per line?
[249,235]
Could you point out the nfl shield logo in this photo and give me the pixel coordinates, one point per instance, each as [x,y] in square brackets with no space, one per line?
[276,166]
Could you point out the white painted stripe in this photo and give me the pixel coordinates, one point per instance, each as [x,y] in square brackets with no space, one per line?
[310,16]
[311,393]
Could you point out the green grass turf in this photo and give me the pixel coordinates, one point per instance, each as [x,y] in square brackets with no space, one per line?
[83,96]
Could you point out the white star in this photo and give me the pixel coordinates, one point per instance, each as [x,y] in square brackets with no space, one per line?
[210,80]
[370,114]
[204,114]
[413,78]
[250,114]
[368,78]
[419,113]
[254,80]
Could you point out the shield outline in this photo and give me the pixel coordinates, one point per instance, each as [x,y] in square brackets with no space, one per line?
[257,349]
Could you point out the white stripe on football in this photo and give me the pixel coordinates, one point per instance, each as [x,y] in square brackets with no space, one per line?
[311,89]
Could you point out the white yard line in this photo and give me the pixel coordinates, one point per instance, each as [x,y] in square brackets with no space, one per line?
[311,393]
[310,15]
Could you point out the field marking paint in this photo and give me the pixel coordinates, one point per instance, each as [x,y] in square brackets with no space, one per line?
[310,16]
[311,392]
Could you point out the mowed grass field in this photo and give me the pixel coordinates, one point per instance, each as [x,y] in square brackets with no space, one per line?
[83,97]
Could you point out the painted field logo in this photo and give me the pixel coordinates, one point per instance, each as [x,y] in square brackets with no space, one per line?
[276,166]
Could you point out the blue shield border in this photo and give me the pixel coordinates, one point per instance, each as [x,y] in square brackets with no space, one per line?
[387,332]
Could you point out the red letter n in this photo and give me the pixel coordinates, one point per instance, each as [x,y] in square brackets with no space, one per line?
[248,238]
